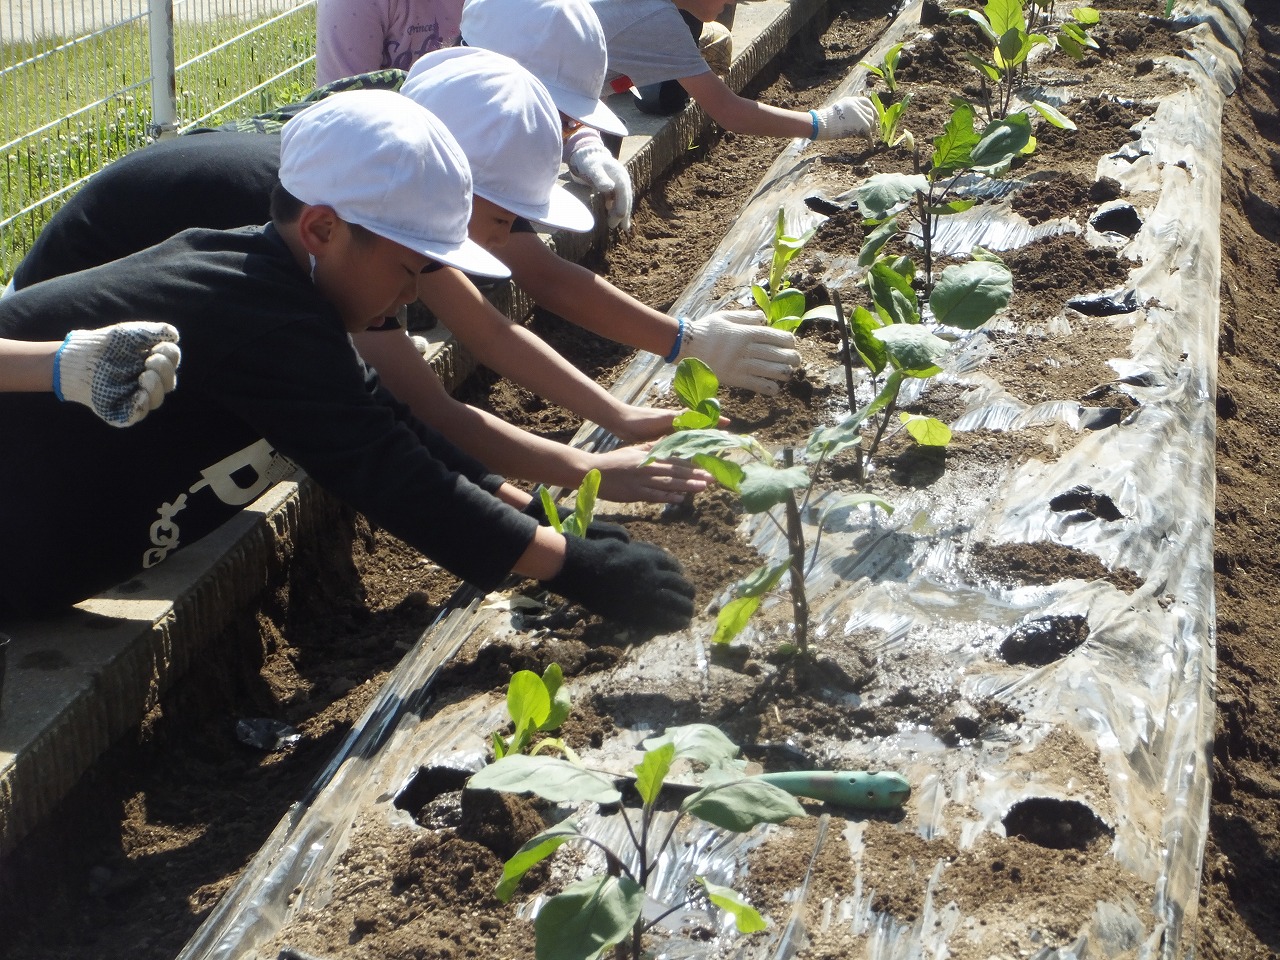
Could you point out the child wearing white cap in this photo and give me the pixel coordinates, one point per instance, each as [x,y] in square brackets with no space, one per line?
[373,189]
[220,180]
[649,42]
[560,42]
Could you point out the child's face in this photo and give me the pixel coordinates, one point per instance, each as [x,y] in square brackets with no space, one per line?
[490,224]
[368,278]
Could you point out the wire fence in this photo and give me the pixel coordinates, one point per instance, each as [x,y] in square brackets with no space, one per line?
[85,81]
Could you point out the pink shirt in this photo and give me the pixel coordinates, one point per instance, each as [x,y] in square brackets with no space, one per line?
[356,36]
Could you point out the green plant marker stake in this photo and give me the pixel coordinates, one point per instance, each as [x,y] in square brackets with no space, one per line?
[864,790]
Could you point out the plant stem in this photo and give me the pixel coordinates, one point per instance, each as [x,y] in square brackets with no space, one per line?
[834,297]
[795,542]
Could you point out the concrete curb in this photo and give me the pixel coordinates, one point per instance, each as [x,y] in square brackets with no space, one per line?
[78,683]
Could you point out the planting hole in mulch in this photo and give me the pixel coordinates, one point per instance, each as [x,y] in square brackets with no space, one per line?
[1043,640]
[1056,824]
[1089,502]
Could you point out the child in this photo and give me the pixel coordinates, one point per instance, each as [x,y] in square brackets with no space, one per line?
[372,191]
[649,42]
[120,372]
[358,36]
[560,43]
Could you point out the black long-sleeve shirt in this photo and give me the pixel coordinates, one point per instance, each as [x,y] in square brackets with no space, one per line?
[267,369]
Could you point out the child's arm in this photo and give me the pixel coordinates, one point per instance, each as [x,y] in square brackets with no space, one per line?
[120,372]
[513,452]
[519,355]
[847,117]
[741,352]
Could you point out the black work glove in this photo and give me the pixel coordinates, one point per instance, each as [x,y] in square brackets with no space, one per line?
[596,529]
[637,584]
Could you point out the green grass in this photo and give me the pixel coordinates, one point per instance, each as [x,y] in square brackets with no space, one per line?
[45,82]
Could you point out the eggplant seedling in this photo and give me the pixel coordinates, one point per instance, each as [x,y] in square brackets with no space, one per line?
[1004,24]
[584,507]
[889,119]
[696,385]
[605,910]
[536,704]
[783,306]
[887,69]
[763,481]
[922,198]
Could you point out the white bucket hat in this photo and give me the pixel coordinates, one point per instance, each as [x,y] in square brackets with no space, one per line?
[386,164]
[508,127]
[560,42]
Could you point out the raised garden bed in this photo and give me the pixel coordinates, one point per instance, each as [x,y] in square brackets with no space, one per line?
[968,701]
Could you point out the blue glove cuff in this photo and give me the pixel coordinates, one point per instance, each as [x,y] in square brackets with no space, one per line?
[57,370]
[813,115]
[675,350]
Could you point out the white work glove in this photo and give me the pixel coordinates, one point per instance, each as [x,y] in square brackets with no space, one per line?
[740,349]
[847,117]
[592,163]
[121,372]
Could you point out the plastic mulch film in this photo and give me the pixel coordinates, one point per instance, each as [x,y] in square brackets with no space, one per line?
[1134,490]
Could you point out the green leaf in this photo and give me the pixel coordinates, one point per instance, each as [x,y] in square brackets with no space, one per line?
[953,147]
[527,700]
[553,680]
[548,777]
[855,500]
[652,771]
[786,304]
[739,805]
[1012,47]
[1072,48]
[745,917]
[927,431]
[733,618]
[862,327]
[886,194]
[499,746]
[1086,15]
[826,311]
[726,473]
[533,852]
[1005,15]
[694,382]
[685,444]
[701,742]
[1053,115]
[950,207]
[876,240]
[693,420]
[1001,141]
[765,486]
[588,918]
[985,67]
[894,297]
[969,294]
[977,17]
[549,508]
[584,504]
[761,296]
[762,579]
[912,349]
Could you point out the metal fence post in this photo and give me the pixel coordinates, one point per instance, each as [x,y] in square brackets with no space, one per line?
[164,80]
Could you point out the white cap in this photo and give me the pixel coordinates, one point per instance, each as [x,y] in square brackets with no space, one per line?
[508,127]
[386,164]
[560,42]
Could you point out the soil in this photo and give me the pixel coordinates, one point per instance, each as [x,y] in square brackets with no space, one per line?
[153,839]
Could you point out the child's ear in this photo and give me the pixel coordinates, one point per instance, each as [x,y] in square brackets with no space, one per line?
[317,227]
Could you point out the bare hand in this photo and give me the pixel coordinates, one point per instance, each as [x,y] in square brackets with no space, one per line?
[625,478]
